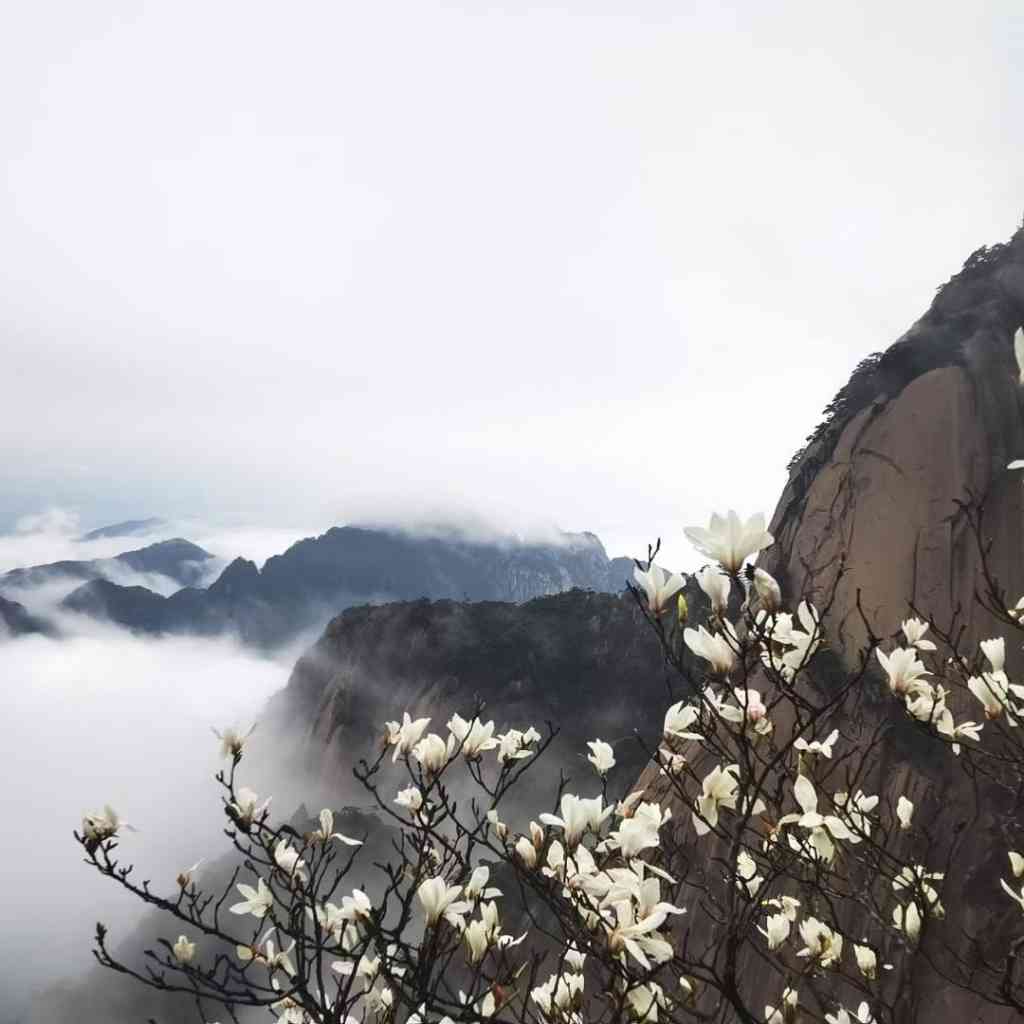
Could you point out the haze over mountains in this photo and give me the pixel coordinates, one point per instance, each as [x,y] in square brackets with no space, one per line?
[304,587]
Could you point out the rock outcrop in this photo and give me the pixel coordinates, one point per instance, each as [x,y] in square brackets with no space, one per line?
[875,493]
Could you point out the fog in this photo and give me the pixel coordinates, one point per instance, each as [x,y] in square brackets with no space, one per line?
[104,717]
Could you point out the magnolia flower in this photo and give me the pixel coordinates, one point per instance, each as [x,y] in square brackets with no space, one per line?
[995,651]
[232,741]
[822,747]
[717,585]
[820,942]
[640,830]
[184,951]
[1019,897]
[914,630]
[99,826]
[784,1014]
[637,935]
[867,962]
[526,852]
[904,811]
[713,647]
[1016,864]
[246,807]
[993,690]
[658,586]
[574,958]
[748,881]
[514,745]
[286,857]
[500,828]
[432,752]
[678,720]
[325,833]
[559,994]
[843,1016]
[766,587]
[719,789]
[751,712]
[478,939]
[729,541]
[601,756]
[907,920]
[184,878]
[776,930]
[257,902]
[578,815]
[411,799]
[823,828]
[1017,611]
[903,669]
[440,899]
[475,737]
[914,879]
[405,735]
[787,905]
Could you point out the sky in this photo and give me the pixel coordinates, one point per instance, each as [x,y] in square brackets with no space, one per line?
[598,265]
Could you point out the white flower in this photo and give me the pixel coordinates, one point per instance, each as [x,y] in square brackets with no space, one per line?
[232,741]
[914,630]
[995,651]
[514,745]
[411,799]
[1016,864]
[713,647]
[823,828]
[526,852]
[903,669]
[784,1014]
[766,587]
[601,756]
[405,735]
[99,826]
[717,585]
[184,951]
[286,857]
[432,752]
[559,994]
[578,815]
[477,888]
[640,830]
[729,541]
[246,808]
[257,902]
[500,828]
[843,1016]
[820,942]
[751,712]
[440,899]
[658,586]
[776,930]
[867,962]
[904,811]
[822,747]
[993,690]
[907,920]
[475,736]
[678,721]
[326,831]
[719,789]
[185,877]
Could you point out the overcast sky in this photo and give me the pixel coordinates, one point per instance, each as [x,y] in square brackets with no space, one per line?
[594,264]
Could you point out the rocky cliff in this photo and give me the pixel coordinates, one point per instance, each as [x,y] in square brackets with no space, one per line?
[875,492]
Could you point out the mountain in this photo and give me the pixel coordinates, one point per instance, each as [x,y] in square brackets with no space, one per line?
[316,578]
[586,661]
[871,513]
[177,559]
[129,528]
[15,620]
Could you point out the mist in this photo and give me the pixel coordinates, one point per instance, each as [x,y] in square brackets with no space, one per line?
[104,717]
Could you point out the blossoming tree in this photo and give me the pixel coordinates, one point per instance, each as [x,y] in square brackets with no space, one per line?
[763,870]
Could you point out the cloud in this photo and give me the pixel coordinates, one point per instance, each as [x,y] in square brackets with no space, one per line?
[104,717]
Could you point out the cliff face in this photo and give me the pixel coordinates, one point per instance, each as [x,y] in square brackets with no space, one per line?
[587,662]
[938,415]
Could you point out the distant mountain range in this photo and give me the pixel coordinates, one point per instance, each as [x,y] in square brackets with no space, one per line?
[179,560]
[306,586]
